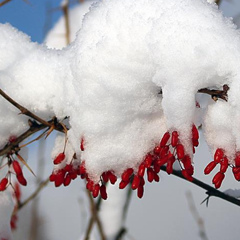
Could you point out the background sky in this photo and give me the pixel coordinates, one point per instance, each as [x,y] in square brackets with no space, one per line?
[164,212]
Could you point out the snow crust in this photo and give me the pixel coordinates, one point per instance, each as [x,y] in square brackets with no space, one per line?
[109,79]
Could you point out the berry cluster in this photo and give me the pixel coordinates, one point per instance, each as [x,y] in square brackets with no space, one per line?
[166,152]
[64,175]
[221,159]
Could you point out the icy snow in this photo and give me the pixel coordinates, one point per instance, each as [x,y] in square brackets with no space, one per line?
[108,80]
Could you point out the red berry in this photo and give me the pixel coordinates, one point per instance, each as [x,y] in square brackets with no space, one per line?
[3,184]
[68,168]
[112,177]
[156,177]
[17,168]
[105,176]
[127,174]
[165,139]
[187,163]
[150,174]
[237,159]
[218,156]
[141,170]
[169,168]
[236,170]
[156,167]
[210,167]
[186,175]
[164,151]
[103,192]
[82,169]
[136,182]
[67,180]
[140,191]
[95,190]
[90,185]
[52,177]
[157,150]
[237,176]
[123,184]
[162,161]
[218,177]
[195,134]
[60,157]
[148,160]
[180,151]
[59,177]
[21,180]
[174,140]
[12,139]
[224,165]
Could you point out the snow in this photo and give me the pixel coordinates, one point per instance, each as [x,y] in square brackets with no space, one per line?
[108,80]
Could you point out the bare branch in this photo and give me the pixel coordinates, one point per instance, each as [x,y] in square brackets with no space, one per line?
[65,9]
[34,194]
[210,190]
[4,2]
[93,218]
[216,93]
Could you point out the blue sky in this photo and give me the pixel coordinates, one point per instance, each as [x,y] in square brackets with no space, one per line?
[31,18]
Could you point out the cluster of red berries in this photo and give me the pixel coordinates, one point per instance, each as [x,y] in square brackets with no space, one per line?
[64,175]
[18,172]
[221,158]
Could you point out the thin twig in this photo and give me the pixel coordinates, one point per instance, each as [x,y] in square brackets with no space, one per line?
[34,194]
[93,218]
[218,2]
[216,93]
[210,190]
[196,216]
[4,2]
[24,110]
[65,9]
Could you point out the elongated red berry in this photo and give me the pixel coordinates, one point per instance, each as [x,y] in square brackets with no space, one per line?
[17,168]
[218,177]
[95,191]
[21,180]
[141,170]
[157,150]
[195,134]
[162,161]
[224,165]
[187,162]
[156,167]
[218,156]
[186,175]
[103,192]
[169,168]
[148,160]
[237,159]
[165,139]
[60,157]
[140,191]
[59,177]
[150,174]
[90,185]
[156,177]
[82,169]
[180,151]
[237,176]
[105,176]
[210,167]
[112,177]
[52,177]
[3,184]
[67,180]
[123,184]
[127,174]
[135,182]
[174,140]
[236,170]
[164,151]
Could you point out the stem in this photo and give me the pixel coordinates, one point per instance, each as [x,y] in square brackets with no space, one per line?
[4,2]
[210,190]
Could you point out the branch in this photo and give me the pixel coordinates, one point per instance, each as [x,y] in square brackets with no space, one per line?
[4,2]
[216,93]
[210,190]
[23,109]
[34,194]
[93,218]
[65,9]
[218,2]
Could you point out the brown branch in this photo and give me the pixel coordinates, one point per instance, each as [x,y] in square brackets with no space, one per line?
[93,218]
[4,2]
[216,93]
[65,9]
[23,109]
[218,2]
[210,190]
[34,194]
[12,147]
